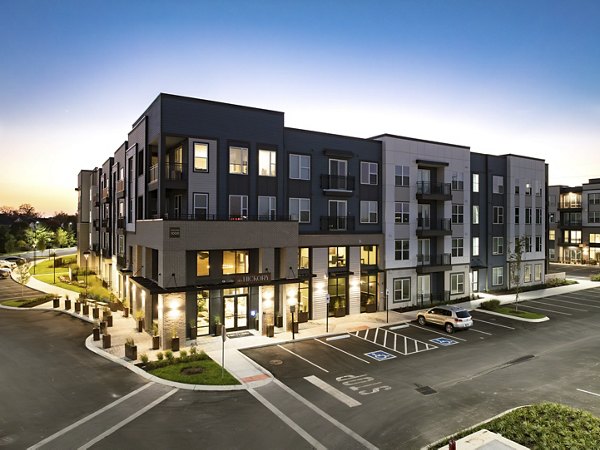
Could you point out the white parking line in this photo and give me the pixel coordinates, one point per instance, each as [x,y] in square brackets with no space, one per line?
[545,309]
[575,303]
[343,351]
[437,332]
[375,343]
[588,392]
[303,358]
[335,393]
[482,332]
[558,306]
[495,324]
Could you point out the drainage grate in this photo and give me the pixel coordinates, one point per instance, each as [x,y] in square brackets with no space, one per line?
[426,390]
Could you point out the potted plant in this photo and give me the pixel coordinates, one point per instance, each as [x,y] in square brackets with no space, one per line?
[130,349]
[174,340]
[106,341]
[218,326]
[85,308]
[107,317]
[193,328]
[95,311]
[269,327]
[339,309]
[371,306]
[67,303]
[96,331]
[113,305]
[56,302]
[155,336]
[302,316]
[139,317]
[279,321]
[102,326]
[78,305]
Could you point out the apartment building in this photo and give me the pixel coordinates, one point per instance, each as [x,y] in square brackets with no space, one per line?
[574,223]
[216,213]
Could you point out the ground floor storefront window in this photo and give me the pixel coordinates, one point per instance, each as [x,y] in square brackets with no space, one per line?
[235,308]
[203,316]
[368,293]
[337,289]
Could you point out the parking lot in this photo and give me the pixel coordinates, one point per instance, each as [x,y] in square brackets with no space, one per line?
[10,289]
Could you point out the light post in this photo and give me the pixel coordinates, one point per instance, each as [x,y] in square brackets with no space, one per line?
[35,242]
[86,255]
[54,266]
[327,315]
[387,305]
[292,302]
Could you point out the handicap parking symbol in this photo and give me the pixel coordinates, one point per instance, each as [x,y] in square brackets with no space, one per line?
[444,341]
[380,355]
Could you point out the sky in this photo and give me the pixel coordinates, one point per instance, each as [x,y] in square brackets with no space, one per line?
[500,76]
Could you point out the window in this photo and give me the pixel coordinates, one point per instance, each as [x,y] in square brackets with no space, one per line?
[368,211]
[575,236]
[594,238]
[528,189]
[551,253]
[401,212]
[517,214]
[238,160]
[538,243]
[498,214]
[202,264]
[200,157]
[401,290]
[551,218]
[337,257]
[497,245]
[457,247]
[267,163]
[121,244]
[121,211]
[474,281]
[304,258]
[140,162]
[594,217]
[200,206]
[528,215]
[368,173]
[527,273]
[457,283]
[300,209]
[537,272]
[538,216]
[402,175]
[552,235]
[457,213]
[401,249]
[527,244]
[517,188]
[423,251]
[475,247]
[497,184]
[238,206]
[593,199]
[475,182]
[368,255]
[475,214]
[497,276]
[299,167]
[235,261]
[458,181]
[267,209]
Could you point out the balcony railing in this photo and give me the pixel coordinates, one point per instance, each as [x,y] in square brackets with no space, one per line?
[442,259]
[571,223]
[153,174]
[337,223]
[120,185]
[337,182]
[569,205]
[175,171]
[105,193]
[428,188]
[444,225]
[105,223]
[121,222]
[222,218]
[433,298]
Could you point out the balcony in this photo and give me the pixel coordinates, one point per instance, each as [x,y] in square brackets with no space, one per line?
[570,223]
[202,217]
[120,186]
[96,223]
[433,298]
[434,191]
[433,263]
[96,200]
[430,228]
[105,223]
[337,183]
[105,194]
[174,173]
[121,222]
[337,223]
[153,174]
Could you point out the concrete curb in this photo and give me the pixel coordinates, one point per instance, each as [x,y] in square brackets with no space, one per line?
[522,319]
[72,314]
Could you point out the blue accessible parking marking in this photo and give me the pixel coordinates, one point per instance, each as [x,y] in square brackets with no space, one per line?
[444,341]
[380,355]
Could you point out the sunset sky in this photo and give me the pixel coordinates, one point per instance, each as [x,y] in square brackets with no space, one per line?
[501,76]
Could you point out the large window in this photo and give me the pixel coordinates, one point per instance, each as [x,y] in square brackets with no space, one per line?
[497,276]
[527,273]
[368,291]
[538,243]
[575,236]
[457,247]
[457,283]
[538,215]
[368,173]
[593,199]
[337,257]
[202,264]
[458,181]
[527,244]
[517,214]
[475,182]
[401,249]
[200,206]
[402,175]
[235,261]
[200,157]
[368,211]
[238,206]
[498,214]
[457,213]
[203,303]
[304,258]
[337,288]
[497,184]
[475,248]
[475,214]
[594,237]
[299,167]
[267,163]
[368,255]
[552,235]
[401,214]
[497,245]
[238,160]
[594,217]
[300,209]
[528,216]
[267,208]
[401,290]
[537,272]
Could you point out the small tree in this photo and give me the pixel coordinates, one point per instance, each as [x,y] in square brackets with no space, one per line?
[22,275]
[515,265]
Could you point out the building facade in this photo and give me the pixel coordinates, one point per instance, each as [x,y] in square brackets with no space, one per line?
[215,213]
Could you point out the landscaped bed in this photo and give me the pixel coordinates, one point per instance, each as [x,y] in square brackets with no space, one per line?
[495,306]
[543,426]
[28,302]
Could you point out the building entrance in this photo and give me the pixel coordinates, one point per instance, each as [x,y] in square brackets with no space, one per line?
[235,305]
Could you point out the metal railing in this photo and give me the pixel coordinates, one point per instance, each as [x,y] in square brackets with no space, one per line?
[337,223]
[434,225]
[337,182]
[223,218]
[441,259]
[433,298]
[429,188]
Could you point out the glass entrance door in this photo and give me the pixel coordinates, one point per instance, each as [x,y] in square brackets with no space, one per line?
[423,289]
[235,304]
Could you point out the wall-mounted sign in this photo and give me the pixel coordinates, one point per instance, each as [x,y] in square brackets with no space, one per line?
[174,232]
[247,278]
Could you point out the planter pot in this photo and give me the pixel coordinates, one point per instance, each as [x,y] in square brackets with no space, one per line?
[339,312]
[103,327]
[279,321]
[140,325]
[175,344]
[303,317]
[109,321]
[106,341]
[218,329]
[155,342]
[95,313]
[96,334]
[105,314]
[270,330]
[56,303]
[113,307]
[370,307]
[67,305]
[131,352]
[85,310]
[77,307]
[125,312]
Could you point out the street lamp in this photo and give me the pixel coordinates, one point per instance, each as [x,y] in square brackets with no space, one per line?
[35,242]
[292,302]
[86,255]
[54,266]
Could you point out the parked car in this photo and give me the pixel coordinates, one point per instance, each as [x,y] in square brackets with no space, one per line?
[4,273]
[4,264]
[448,316]
[16,259]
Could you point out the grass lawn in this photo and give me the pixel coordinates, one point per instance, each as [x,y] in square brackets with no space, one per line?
[62,265]
[94,285]
[211,373]
[510,311]
[545,426]
[27,302]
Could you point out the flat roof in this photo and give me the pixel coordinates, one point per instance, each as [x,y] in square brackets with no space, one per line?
[331,134]
[418,140]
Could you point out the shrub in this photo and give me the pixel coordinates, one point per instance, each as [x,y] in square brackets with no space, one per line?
[129,341]
[183,356]
[160,356]
[144,358]
[490,305]
[193,350]
[595,277]
[169,355]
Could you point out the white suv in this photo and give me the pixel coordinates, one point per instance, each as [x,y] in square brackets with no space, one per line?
[7,264]
[448,316]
